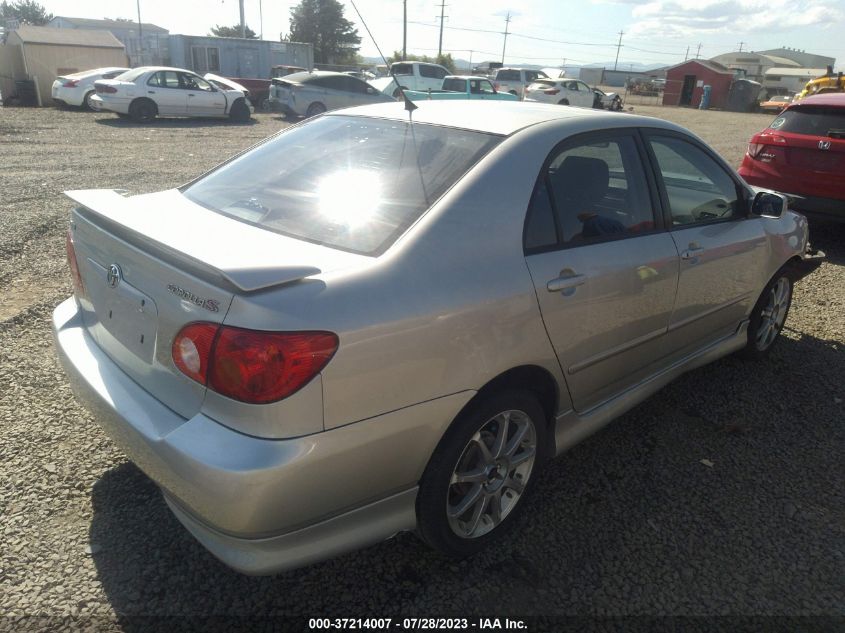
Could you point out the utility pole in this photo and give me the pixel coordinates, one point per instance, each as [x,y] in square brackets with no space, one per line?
[404,30]
[261,20]
[442,17]
[140,36]
[698,52]
[686,55]
[507,21]
[618,46]
[243,24]
[740,46]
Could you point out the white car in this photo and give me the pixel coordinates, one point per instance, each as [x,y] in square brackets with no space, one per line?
[150,91]
[516,80]
[411,76]
[561,91]
[78,89]
[607,100]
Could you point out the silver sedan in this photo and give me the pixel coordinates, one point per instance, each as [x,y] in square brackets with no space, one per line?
[376,322]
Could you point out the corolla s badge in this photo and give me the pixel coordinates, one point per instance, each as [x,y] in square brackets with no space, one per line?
[114,276]
[824,144]
[212,305]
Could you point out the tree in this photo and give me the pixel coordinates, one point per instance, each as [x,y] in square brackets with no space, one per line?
[26,11]
[444,60]
[233,31]
[321,23]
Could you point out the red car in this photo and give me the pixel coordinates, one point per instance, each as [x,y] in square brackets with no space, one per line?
[802,154]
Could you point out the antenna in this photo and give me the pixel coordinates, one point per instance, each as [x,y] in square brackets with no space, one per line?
[409,105]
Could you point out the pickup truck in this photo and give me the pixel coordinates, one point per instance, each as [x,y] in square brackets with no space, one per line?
[462,87]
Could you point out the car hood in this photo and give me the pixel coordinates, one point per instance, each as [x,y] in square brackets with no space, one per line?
[383,84]
[231,85]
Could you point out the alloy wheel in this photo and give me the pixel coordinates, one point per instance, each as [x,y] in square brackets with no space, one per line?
[773,314]
[491,473]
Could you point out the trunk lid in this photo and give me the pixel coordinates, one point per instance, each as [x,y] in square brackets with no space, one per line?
[153,263]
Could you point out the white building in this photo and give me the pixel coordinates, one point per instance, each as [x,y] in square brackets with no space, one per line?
[777,80]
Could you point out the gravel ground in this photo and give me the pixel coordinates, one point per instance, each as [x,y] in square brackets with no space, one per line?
[724,494]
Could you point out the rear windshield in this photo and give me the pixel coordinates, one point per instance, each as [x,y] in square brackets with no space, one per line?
[351,183]
[811,120]
[131,75]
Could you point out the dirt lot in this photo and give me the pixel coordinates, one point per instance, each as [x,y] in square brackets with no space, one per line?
[630,522]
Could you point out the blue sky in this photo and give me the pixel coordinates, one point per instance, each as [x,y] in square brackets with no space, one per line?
[543,32]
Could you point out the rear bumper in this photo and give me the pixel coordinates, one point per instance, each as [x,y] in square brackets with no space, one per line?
[261,505]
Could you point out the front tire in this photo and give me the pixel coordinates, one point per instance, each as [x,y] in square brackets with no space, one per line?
[563,102]
[768,316]
[239,112]
[143,111]
[474,486]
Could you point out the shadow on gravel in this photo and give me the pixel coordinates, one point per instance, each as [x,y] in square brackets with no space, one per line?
[173,123]
[721,494]
[830,238]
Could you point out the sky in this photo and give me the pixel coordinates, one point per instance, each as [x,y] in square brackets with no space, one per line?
[543,32]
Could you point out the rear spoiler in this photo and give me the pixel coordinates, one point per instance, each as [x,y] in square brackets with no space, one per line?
[200,238]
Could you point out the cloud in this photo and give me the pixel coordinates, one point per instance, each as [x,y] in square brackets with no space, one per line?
[685,18]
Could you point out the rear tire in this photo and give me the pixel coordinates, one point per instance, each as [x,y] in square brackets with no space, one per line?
[475,483]
[239,112]
[768,316]
[397,94]
[143,110]
[314,109]
[86,101]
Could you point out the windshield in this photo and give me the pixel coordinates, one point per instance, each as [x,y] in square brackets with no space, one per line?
[811,120]
[351,183]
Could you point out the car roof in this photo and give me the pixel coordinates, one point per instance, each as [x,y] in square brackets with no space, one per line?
[313,73]
[498,117]
[835,99]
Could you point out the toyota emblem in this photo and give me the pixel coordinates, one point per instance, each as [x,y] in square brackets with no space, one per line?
[824,144]
[114,276]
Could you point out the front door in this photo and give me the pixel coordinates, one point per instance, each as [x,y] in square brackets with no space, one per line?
[604,269]
[202,98]
[722,248]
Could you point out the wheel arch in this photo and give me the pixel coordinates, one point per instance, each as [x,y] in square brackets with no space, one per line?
[140,99]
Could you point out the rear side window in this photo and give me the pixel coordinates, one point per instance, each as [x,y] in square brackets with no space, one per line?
[402,69]
[813,121]
[507,75]
[428,71]
[351,183]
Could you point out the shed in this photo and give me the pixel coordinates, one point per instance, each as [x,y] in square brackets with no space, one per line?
[237,57]
[42,54]
[685,83]
[146,44]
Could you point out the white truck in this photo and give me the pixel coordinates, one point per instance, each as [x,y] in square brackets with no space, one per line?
[411,76]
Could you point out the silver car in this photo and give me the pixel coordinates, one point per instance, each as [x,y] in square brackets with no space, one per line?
[374,322]
[315,92]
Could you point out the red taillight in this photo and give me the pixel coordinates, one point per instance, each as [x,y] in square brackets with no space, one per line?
[105,89]
[754,149]
[78,286]
[251,365]
[70,83]
[762,147]
[496,86]
[551,91]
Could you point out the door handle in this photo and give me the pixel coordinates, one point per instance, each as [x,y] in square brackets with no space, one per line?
[565,283]
[151,92]
[692,250]
[190,95]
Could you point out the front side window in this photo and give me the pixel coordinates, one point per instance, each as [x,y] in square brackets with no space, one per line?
[698,188]
[428,71]
[596,191]
[351,183]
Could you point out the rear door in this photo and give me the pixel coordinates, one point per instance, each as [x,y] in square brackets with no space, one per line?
[166,90]
[723,249]
[604,270]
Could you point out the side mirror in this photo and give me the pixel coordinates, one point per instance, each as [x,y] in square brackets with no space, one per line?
[769,204]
